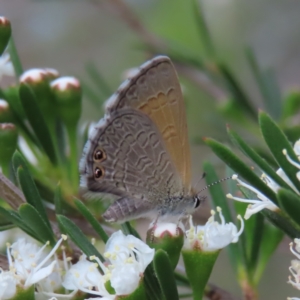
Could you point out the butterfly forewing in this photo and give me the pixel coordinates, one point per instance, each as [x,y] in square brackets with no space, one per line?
[155,90]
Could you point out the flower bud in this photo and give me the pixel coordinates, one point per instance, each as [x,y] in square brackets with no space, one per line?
[5,33]
[166,236]
[38,80]
[67,93]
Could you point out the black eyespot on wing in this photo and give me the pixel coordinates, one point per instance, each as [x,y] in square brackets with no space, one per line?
[99,155]
[98,172]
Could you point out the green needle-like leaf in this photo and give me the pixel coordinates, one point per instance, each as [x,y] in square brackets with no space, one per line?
[128,229]
[255,241]
[14,56]
[203,29]
[78,237]
[14,217]
[277,142]
[281,220]
[98,80]
[4,227]
[237,92]
[271,238]
[268,86]
[91,219]
[36,223]
[165,276]
[257,159]
[10,193]
[37,120]
[290,202]
[240,168]
[28,186]
[58,200]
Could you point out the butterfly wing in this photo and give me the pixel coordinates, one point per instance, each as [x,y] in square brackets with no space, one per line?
[126,156]
[155,91]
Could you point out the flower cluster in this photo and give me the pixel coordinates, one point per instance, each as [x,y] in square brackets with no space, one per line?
[127,258]
[256,205]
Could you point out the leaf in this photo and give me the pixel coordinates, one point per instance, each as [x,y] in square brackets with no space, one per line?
[10,193]
[4,227]
[14,56]
[270,241]
[257,159]
[240,168]
[128,229]
[78,237]
[203,29]
[165,276]
[255,241]
[277,141]
[237,92]
[98,79]
[283,222]
[14,217]
[28,186]
[91,219]
[58,200]
[181,279]
[291,104]
[37,121]
[36,223]
[268,86]
[290,203]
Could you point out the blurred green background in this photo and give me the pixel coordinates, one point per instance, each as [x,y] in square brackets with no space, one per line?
[73,35]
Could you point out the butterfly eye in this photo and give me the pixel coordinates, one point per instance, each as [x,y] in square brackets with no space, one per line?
[98,173]
[197,202]
[99,155]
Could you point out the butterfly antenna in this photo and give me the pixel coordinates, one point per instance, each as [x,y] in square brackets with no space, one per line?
[213,183]
[202,177]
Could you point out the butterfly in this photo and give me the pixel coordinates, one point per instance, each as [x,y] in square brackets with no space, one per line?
[139,151]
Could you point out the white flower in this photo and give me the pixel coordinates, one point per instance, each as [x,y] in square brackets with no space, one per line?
[8,284]
[119,248]
[85,276]
[259,204]
[6,66]
[128,255]
[30,262]
[213,235]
